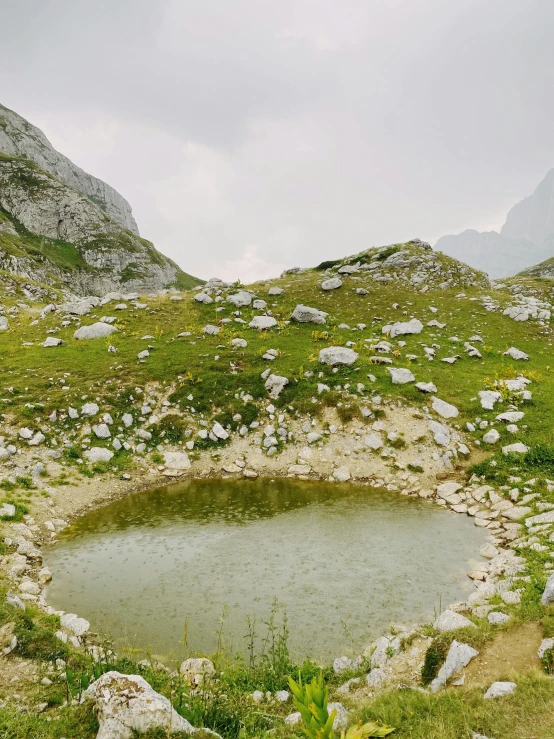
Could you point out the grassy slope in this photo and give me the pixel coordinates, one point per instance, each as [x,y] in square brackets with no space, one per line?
[35,373]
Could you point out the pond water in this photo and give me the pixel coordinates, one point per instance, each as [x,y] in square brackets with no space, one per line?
[343,562]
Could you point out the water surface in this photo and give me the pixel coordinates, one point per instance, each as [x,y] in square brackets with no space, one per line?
[343,561]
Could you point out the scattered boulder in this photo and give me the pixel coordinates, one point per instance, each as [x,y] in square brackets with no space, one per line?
[491,437]
[98,454]
[401,329]
[196,669]
[333,284]
[514,353]
[97,330]
[400,375]
[305,314]
[500,689]
[426,387]
[75,625]
[240,299]
[262,323]
[518,448]
[445,410]
[335,355]
[275,384]
[342,474]
[51,341]
[203,298]
[178,461]
[450,621]
[488,398]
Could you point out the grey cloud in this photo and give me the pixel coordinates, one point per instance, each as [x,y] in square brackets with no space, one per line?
[304,129]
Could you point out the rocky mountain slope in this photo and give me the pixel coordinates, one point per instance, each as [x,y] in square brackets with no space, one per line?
[526,238]
[397,368]
[61,226]
[19,138]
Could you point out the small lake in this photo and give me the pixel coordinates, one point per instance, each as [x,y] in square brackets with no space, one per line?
[343,561]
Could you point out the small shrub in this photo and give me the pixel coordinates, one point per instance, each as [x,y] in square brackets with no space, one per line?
[328,264]
[548,661]
[434,658]
[36,639]
[347,413]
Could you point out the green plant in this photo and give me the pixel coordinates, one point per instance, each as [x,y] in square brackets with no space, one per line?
[311,701]
[434,657]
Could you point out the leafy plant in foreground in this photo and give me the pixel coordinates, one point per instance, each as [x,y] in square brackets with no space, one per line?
[311,700]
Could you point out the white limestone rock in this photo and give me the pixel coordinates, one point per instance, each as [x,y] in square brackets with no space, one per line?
[98,454]
[97,330]
[337,355]
[332,284]
[426,387]
[500,689]
[262,323]
[459,655]
[305,314]
[127,704]
[450,621]
[444,409]
[400,375]
[240,299]
[516,354]
[402,329]
[176,461]
[275,384]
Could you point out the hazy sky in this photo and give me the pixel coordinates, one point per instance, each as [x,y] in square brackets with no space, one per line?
[253,135]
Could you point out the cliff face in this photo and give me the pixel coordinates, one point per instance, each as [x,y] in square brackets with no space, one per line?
[533,217]
[526,238]
[18,138]
[53,232]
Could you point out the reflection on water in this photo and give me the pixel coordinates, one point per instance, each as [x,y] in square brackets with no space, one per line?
[344,561]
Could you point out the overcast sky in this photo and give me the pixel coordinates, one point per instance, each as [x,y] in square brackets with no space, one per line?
[254,135]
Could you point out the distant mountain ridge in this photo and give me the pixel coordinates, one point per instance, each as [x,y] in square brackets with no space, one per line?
[59,225]
[525,239]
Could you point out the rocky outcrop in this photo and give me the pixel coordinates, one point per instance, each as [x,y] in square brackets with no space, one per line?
[78,245]
[18,138]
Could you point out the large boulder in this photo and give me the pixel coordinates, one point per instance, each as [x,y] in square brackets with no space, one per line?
[275,384]
[459,655]
[127,705]
[444,409]
[332,284]
[305,314]
[240,299]
[335,355]
[262,323]
[401,329]
[196,669]
[450,621]
[98,454]
[95,331]
[500,689]
[178,461]
[401,375]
